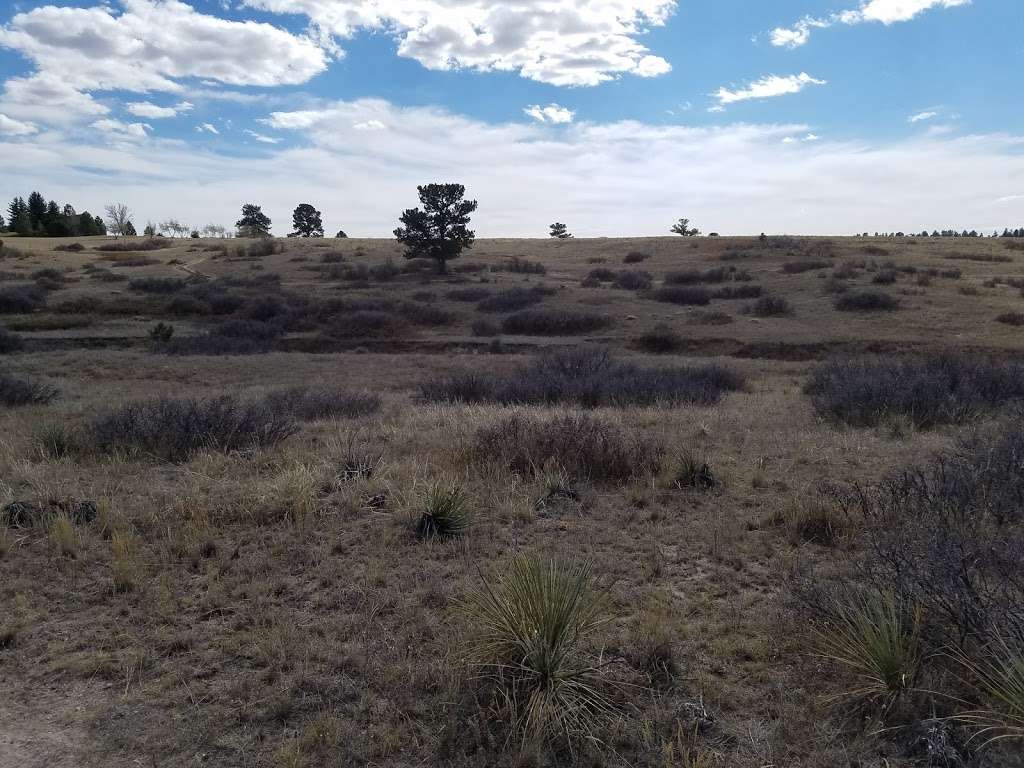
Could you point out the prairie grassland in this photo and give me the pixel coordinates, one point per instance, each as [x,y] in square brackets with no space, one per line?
[276,605]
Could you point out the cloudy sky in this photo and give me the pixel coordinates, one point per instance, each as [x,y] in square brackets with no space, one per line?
[614,116]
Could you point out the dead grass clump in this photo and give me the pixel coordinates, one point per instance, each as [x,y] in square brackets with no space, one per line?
[586,447]
[941,389]
[176,429]
[311,403]
[865,301]
[70,247]
[554,322]
[150,244]
[22,390]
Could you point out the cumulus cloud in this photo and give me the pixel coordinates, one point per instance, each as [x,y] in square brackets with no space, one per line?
[146,45]
[552,113]
[48,98]
[156,112]
[883,11]
[562,42]
[766,88]
[120,130]
[11,127]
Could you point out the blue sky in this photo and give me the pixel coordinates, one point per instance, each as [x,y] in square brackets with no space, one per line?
[616,116]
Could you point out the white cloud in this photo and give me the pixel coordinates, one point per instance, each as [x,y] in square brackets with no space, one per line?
[207,128]
[48,98]
[922,116]
[262,138]
[121,130]
[156,112]
[552,113]
[562,42]
[369,125]
[150,45]
[884,11]
[11,127]
[767,87]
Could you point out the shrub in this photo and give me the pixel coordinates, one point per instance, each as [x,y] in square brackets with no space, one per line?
[17,391]
[468,294]
[994,258]
[590,378]
[709,317]
[682,295]
[940,389]
[713,275]
[632,280]
[70,247]
[445,513]
[835,285]
[186,305]
[175,429]
[386,271]
[160,285]
[485,327]
[312,403]
[771,306]
[106,276]
[425,314]
[510,300]
[365,323]
[884,277]
[121,246]
[661,340]
[521,265]
[21,300]
[9,342]
[635,257]
[528,639]
[264,246]
[727,292]
[1011,318]
[553,322]
[332,257]
[875,250]
[232,337]
[161,332]
[806,265]
[865,301]
[601,274]
[848,270]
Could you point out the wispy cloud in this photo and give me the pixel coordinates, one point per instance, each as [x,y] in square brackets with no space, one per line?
[207,128]
[767,87]
[552,113]
[920,117]
[262,138]
[884,11]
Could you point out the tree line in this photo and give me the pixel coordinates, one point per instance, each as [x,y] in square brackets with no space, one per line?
[36,217]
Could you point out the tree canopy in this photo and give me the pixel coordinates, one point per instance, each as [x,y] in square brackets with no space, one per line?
[306,221]
[439,230]
[254,223]
[560,231]
[682,227]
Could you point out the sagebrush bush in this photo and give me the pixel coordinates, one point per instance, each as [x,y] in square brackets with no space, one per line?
[484,327]
[865,301]
[510,300]
[23,390]
[712,275]
[635,257]
[150,244]
[727,292]
[520,265]
[21,299]
[601,274]
[586,447]
[310,403]
[418,313]
[528,637]
[771,306]
[805,265]
[884,277]
[1007,318]
[9,342]
[176,428]
[554,322]
[589,378]
[660,339]
[938,389]
[160,285]
[468,294]
[632,280]
[682,294]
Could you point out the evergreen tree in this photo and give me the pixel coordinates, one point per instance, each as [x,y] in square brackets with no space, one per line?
[86,225]
[439,230]
[306,221]
[101,228]
[559,231]
[254,223]
[36,211]
[682,227]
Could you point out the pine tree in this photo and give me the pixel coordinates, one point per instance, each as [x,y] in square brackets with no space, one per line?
[439,230]
[306,221]
[559,231]
[254,223]
[682,227]
[36,211]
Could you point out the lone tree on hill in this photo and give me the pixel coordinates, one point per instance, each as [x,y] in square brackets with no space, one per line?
[559,230]
[306,221]
[119,218]
[439,230]
[254,222]
[682,227]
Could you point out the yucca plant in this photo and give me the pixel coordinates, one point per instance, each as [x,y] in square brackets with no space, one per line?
[998,673]
[876,636]
[445,512]
[530,632]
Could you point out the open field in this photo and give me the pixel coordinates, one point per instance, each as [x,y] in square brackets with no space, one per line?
[217,602]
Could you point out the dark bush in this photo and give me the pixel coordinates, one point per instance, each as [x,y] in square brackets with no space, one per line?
[70,247]
[713,275]
[884,277]
[311,403]
[265,308]
[468,294]
[485,327]
[601,274]
[9,342]
[365,323]
[865,301]
[175,429]
[875,250]
[632,280]
[553,322]
[727,292]
[1011,318]
[48,276]
[386,271]
[806,265]
[161,285]
[151,244]
[994,258]
[848,270]
[635,257]
[521,265]
[21,300]
[510,300]
[106,276]
[940,389]
[332,257]
[771,306]
[21,390]
[585,447]
[180,306]
[589,378]
[709,317]
[661,339]
[682,294]
[264,246]
[424,314]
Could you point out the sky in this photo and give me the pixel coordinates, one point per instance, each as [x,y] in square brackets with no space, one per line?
[616,117]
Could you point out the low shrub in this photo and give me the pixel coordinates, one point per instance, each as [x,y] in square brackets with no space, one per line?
[632,280]
[484,327]
[589,378]
[865,301]
[713,275]
[682,295]
[23,390]
[21,300]
[160,285]
[445,513]
[601,274]
[729,292]
[661,339]
[553,322]
[176,429]
[635,257]
[992,258]
[709,317]
[771,306]
[70,247]
[884,277]
[365,323]
[311,403]
[805,265]
[939,389]
[468,294]
[9,342]
[418,313]
[587,448]
[510,300]
[150,244]
[1011,318]
[385,272]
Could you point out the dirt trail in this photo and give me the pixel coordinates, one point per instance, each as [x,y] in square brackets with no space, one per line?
[191,270]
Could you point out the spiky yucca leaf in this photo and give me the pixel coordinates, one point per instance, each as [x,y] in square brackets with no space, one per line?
[877,637]
[531,628]
[998,673]
[445,512]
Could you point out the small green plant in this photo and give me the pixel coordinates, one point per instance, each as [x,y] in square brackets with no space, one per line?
[876,636]
[529,633]
[998,674]
[161,333]
[58,440]
[688,470]
[445,513]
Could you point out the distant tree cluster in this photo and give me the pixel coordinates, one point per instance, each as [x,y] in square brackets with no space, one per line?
[38,218]
[950,233]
